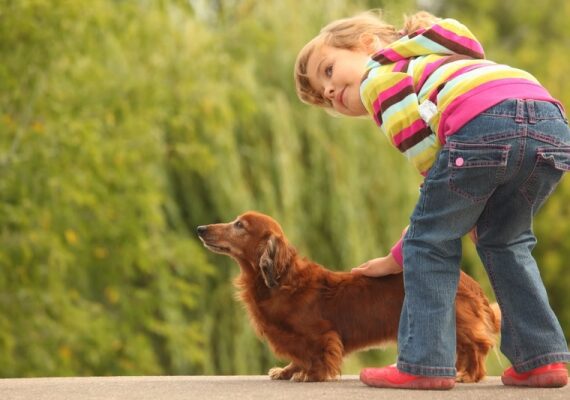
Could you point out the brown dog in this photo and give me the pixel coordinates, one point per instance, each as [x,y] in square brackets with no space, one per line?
[314,317]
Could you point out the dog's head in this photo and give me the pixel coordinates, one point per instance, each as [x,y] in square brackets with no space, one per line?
[255,241]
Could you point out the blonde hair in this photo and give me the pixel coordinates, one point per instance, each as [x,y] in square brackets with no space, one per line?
[345,34]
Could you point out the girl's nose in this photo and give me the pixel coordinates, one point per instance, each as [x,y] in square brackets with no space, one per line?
[329,92]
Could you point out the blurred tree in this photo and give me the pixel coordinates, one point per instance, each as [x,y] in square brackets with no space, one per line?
[97,275]
[125,124]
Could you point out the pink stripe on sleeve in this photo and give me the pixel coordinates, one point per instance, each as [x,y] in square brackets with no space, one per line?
[386,94]
[397,88]
[462,40]
[397,252]
[399,66]
[391,54]
[376,107]
[433,95]
[428,71]
[408,132]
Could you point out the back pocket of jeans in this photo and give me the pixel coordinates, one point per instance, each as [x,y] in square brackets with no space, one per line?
[551,163]
[476,169]
[557,157]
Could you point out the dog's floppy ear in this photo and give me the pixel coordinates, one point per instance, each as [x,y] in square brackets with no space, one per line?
[273,260]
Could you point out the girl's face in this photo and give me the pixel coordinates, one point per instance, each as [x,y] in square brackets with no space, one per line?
[336,73]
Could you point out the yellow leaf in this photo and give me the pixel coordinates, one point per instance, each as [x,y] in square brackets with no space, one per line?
[71,236]
[64,352]
[101,253]
[38,127]
[8,120]
[112,295]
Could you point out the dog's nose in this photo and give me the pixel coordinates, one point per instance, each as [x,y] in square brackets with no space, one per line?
[201,230]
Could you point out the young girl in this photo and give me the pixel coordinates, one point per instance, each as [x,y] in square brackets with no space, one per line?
[492,145]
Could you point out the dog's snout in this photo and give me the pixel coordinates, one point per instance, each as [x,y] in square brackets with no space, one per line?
[201,230]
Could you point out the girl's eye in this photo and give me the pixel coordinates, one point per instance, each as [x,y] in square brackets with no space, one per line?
[329,71]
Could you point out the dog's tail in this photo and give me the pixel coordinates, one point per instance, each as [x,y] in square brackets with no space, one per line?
[497,329]
[496,317]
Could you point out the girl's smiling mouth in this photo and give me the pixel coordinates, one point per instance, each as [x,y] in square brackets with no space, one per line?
[340,99]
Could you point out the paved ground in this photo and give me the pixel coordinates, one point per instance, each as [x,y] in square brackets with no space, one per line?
[247,387]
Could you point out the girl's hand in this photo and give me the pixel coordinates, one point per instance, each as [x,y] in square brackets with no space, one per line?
[378,267]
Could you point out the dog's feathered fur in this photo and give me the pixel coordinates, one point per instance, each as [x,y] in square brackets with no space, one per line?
[314,317]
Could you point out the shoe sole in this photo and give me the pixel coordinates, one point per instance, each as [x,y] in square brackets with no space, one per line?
[420,384]
[550,379]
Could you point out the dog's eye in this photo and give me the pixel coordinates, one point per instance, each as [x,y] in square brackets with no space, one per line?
[238,224]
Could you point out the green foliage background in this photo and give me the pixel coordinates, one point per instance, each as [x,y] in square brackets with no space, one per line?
[125,124]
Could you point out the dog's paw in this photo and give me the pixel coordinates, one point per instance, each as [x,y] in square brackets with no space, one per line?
[304,376]
[464,377]
[280,373]
[301,376]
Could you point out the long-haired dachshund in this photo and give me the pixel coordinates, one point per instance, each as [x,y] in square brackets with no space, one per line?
[314,317]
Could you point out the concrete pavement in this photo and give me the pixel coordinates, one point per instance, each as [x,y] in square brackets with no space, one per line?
[248,387]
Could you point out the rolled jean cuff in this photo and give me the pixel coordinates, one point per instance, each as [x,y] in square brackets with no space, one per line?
[425,370]
[540,361]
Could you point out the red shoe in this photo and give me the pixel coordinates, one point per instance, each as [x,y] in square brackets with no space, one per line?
[391,377]
[551,375]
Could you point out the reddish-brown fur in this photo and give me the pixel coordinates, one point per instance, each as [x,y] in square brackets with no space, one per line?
[314,317]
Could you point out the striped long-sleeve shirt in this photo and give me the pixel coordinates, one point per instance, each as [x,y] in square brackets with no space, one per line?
[443,64]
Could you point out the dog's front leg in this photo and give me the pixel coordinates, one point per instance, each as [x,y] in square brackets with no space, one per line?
[284,373]
[326,362]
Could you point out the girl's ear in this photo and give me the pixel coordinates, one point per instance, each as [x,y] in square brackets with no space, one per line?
[370,43]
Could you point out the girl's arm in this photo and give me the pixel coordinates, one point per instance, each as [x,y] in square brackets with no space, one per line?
[379,267]
[393,263]
[391,100]
[448,36]
[389,94]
